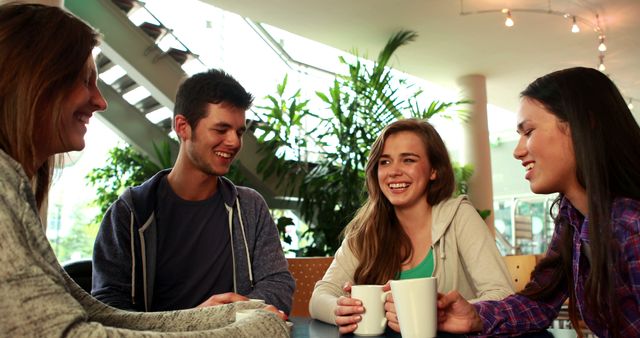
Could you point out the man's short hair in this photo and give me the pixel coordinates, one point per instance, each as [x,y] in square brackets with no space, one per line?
[213,86]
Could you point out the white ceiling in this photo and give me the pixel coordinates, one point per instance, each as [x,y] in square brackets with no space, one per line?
[451,45]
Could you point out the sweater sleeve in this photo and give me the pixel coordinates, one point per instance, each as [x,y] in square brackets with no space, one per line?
[327,291]
[480,256]
[215,321]
[112,265]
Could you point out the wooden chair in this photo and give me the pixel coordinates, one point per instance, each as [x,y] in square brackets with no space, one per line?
[306,271]
[520,268]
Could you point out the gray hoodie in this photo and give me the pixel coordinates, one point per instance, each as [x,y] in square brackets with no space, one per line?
[124,256]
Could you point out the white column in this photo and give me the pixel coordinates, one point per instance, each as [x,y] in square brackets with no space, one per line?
[476,144]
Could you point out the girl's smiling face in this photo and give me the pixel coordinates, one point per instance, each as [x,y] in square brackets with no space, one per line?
[545,149]
[404,170]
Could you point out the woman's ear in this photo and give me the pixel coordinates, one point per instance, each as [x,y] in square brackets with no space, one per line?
[434,175]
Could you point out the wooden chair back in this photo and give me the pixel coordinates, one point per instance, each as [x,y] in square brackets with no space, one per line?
[306,271]
[520,268]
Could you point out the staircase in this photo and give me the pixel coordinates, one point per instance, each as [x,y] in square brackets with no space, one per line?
[153,75]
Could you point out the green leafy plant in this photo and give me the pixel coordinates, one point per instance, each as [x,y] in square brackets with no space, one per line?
[125,167]
[324,165]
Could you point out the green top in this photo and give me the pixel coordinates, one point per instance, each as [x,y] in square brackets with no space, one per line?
[424,269]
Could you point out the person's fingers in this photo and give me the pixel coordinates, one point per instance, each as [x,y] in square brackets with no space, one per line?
[348,320]
[348,301]
[390,306]
[387,286]
[275,310]
[234,297]
[446,300]
[394,326]
[347,329]
[347,287]
[348,310]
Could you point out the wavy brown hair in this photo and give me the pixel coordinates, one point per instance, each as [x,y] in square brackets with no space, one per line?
[606,142]
[43,51]
[375,225]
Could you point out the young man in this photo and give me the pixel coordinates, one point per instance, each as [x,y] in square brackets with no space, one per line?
[189,237]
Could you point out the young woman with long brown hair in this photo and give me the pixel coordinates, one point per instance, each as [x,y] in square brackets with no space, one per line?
[577,138]
[410,227]
[48,93]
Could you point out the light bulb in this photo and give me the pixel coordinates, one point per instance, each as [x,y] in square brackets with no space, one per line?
[602,47]
[574,27]
[630,105]
[601,67]
[508,21]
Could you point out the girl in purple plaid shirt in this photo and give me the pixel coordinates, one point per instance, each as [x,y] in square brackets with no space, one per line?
[577,138]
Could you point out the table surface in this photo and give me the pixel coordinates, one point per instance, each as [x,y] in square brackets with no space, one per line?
[304,327]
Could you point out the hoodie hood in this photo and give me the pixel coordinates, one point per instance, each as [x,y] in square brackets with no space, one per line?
[442,215]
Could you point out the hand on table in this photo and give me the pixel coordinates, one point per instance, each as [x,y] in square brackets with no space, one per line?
[456,315]
[223,298]
[348,312]
[275,310]
[230,297]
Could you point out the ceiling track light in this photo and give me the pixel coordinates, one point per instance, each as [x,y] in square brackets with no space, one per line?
[602,47]
[601,66]
[575,28]
[509,20]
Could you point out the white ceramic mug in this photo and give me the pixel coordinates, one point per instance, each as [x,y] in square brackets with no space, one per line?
[415,301]
[373,320]
[246,313]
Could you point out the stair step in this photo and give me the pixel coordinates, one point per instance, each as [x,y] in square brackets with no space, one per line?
[165,124]
[153,30]
[103,63]
[179,55]
[124,84]
[125,5]
[148,105]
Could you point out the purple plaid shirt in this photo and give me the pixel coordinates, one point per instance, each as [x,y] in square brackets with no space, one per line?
[518,314]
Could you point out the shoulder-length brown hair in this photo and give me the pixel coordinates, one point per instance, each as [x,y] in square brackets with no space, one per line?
[43,51]
[375,225]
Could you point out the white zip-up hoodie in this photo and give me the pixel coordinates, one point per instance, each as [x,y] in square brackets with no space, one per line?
[465,255]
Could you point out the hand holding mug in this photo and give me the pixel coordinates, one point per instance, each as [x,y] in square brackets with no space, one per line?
[390,309]
[456,315]
[348,312]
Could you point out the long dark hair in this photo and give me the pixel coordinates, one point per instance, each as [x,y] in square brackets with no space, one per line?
[43,50]
[375,229]
[606,142]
